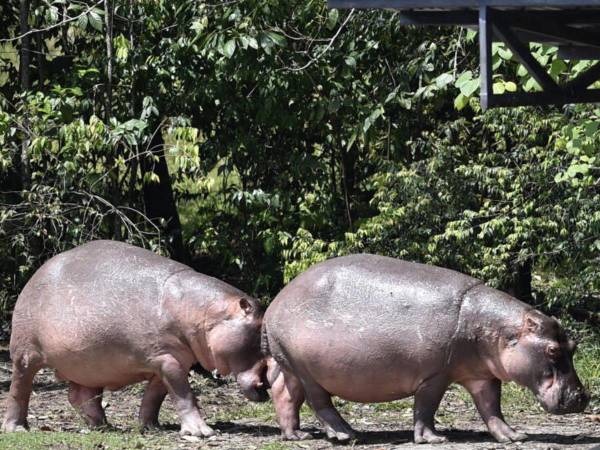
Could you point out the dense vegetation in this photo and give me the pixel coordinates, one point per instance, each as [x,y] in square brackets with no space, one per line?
[253,138]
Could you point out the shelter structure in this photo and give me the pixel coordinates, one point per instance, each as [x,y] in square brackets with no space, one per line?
[572,26]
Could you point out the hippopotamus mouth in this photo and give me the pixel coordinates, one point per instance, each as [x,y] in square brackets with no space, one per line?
[256,394]
[563,401]
[254,384]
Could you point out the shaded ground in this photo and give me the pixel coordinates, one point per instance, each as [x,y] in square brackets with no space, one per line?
[244,425]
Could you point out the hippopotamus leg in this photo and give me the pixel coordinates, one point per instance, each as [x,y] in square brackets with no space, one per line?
[486,395]
[175,377]
[24,369]
[288,397]
[88,403]
[153,397]
[427,400]
[320,401]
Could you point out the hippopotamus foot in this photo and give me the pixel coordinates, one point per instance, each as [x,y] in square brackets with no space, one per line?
[430,437]
[193,425]
[288,397]
[154,395]
[342,436]
[295,435]
[320,401]
[24,369]
[174,375]
[427,400]
[503,432]
[486,395]
[88,403]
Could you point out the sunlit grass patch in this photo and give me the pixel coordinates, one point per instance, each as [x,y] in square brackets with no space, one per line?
[263,412]
[276,446]
[66,441]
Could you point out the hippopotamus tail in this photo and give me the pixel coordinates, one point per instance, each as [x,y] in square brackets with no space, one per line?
[264,341]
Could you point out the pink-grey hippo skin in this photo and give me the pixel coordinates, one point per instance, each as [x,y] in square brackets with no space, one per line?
[369,328]
[106,314]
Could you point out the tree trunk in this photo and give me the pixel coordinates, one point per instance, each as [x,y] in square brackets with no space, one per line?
[348,182]
[520,283]
[25,73]
[108,108]
[108,22]
[25,45]
[159,200]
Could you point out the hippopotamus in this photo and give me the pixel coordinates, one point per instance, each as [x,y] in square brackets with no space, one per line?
[107,314]
[369,328]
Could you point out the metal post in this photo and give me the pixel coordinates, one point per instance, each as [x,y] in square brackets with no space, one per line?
[485,56]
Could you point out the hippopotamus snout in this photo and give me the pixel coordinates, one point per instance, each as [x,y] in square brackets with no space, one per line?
[565,400]
[253,383]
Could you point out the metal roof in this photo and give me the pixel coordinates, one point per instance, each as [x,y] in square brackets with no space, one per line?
[572,26]
[460,4]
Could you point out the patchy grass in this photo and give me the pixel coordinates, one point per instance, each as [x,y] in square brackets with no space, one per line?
[263,412]
[276,446]
[75,441]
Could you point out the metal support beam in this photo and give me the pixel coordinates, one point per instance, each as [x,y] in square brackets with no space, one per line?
[549,28]
[544,98]
[485,56]
[523,54]
[584,79]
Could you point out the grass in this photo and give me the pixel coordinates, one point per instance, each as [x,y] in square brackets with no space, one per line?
[263,412]
[276,446]
[95,440]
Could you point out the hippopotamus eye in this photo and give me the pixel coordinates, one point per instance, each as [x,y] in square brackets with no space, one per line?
[553,351]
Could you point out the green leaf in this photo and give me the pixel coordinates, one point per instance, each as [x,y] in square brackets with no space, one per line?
[469,87]
[95,20]
[498,88]
[504,53]
[229,48]
[332,18]
[461,101]
[558,67]
[82,22]
[252,42]
[510,86]
[531,85]
[443,80]
[464,77]
[277,39]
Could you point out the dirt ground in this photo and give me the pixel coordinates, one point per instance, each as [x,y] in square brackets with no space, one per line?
[243,425]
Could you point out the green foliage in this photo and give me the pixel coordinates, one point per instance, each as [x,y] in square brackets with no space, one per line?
[293,133]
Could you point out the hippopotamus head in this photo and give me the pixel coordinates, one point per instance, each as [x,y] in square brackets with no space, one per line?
[539,356]
[235,347]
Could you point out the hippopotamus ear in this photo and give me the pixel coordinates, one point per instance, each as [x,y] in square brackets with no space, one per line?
[246,306]
[533,323]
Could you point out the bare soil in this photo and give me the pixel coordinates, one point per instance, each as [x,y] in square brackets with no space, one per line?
[243,425]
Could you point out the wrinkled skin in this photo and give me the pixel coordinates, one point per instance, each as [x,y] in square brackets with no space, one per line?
[374,329]
[107,314]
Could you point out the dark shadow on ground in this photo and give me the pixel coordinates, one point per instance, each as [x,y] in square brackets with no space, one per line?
[396,437]
[471,437]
